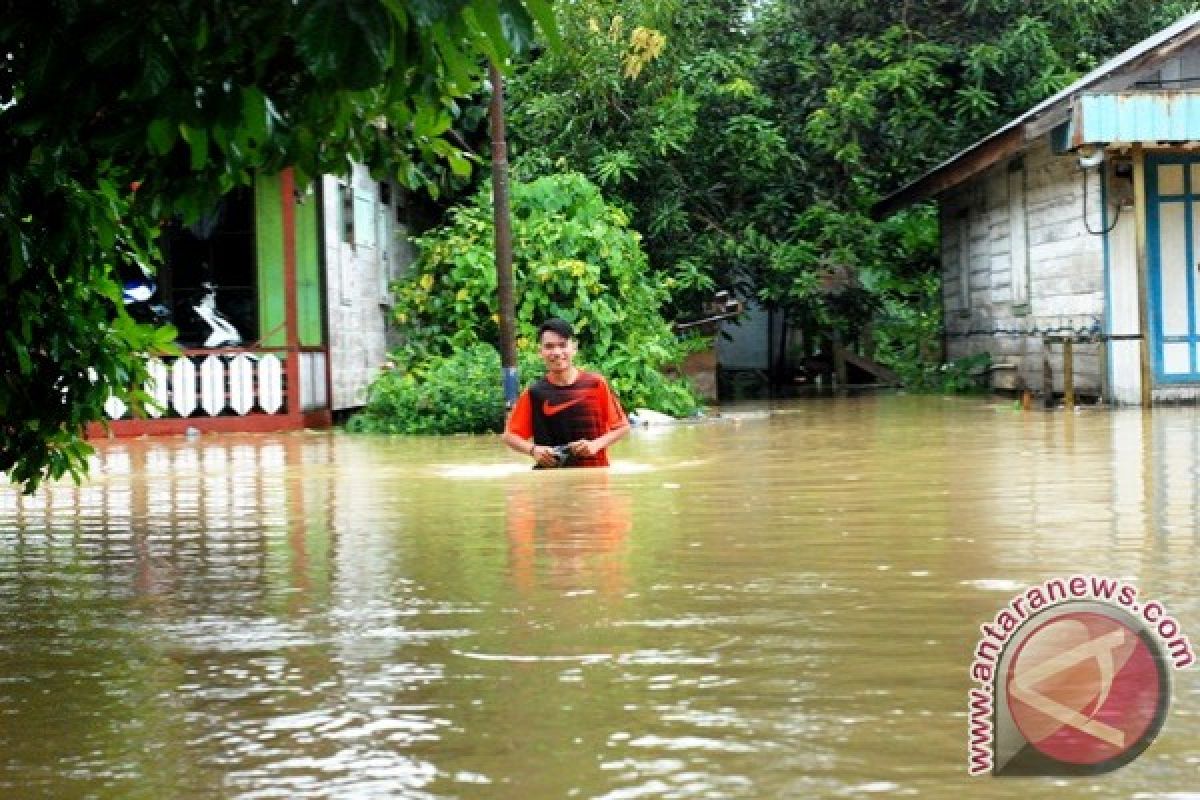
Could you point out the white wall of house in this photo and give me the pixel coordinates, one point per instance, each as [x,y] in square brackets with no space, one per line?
[365,250]
[1124,320]
[1018,261]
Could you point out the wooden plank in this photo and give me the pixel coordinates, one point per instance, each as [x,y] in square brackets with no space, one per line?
[183,386]
[840,377]
[1047,378]
[270,384]
[212,386]
[158,387]
[952,173]
[241,384]
[114,407]
[1068,374]
[1143,270]
[885,375]
[1042,124]
[251,423]
[290,290]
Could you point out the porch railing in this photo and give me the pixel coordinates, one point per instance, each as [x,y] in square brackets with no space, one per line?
[212,383]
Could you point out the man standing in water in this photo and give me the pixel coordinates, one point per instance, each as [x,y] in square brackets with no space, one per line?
[567,407]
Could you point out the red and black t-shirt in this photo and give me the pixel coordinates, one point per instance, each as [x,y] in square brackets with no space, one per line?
[554,415]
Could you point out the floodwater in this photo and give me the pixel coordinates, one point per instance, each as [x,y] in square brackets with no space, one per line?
[774,605]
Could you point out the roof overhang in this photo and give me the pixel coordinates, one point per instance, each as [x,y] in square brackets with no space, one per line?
[1117,74]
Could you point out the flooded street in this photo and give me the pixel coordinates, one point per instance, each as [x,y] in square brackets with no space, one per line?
[780,605]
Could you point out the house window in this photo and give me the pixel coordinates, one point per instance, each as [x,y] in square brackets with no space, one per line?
[345,252]
[364,219]
[1018,237]
[216,251]
[346,206]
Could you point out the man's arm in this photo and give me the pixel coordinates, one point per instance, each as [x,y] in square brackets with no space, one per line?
[518,443]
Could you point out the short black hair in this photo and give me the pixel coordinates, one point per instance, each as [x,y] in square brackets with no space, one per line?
[556,325]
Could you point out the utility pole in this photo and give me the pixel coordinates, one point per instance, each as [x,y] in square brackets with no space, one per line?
[503,225]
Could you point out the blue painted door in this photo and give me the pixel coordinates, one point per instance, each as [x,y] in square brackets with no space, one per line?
[1173,222]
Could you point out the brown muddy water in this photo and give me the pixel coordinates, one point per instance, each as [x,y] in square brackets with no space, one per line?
[780,605]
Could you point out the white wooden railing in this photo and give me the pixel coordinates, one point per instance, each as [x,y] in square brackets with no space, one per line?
[239,382]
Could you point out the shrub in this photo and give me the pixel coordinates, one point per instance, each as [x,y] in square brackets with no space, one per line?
[574,257]
[459,393]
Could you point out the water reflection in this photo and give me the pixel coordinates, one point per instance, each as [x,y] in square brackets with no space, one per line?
[568,534]
[780,605]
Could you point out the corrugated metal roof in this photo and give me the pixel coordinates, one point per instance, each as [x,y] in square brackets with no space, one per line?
[1189,24]
[1163,116]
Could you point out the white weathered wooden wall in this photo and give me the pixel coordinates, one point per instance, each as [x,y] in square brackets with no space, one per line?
[1181,72]
[358,274]
[1038,212]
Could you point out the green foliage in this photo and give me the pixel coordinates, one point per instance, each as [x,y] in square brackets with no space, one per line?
[964,374]
[459,393]
[574,257]
[908,292]
[923,374]
[908,332]
[186,101]
[683,142]
[750,149]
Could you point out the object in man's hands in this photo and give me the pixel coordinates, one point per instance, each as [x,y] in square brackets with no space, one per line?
[562,457]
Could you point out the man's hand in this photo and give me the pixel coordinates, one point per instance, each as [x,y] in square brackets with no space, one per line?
[543,456]
[584,448]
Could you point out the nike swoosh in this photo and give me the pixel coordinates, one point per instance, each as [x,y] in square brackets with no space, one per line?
[550,409]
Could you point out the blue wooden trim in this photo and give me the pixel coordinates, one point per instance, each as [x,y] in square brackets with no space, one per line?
[1190,259]
[1154,254]
[1155,258]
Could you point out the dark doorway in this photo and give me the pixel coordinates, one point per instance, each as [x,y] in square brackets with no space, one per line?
[218,251]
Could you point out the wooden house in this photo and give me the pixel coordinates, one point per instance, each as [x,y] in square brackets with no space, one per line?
[1074,230]
[302,275]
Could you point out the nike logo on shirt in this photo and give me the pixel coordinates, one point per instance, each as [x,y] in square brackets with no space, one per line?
[550,409]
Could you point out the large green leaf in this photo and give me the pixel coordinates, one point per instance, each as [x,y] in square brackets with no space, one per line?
[543,12]
[346,43]
[517,25]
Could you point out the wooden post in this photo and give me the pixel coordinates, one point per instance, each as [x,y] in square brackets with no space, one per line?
[1068,374]
[1143,270]
[868,340]
[503,227]
[1105,383]
[291,303]
[1047,377]
[839,359]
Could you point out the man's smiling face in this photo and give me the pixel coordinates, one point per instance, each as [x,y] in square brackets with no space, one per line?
[557,352]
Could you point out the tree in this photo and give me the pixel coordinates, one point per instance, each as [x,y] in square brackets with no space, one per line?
[116,116]
[749,142]
[650,100]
